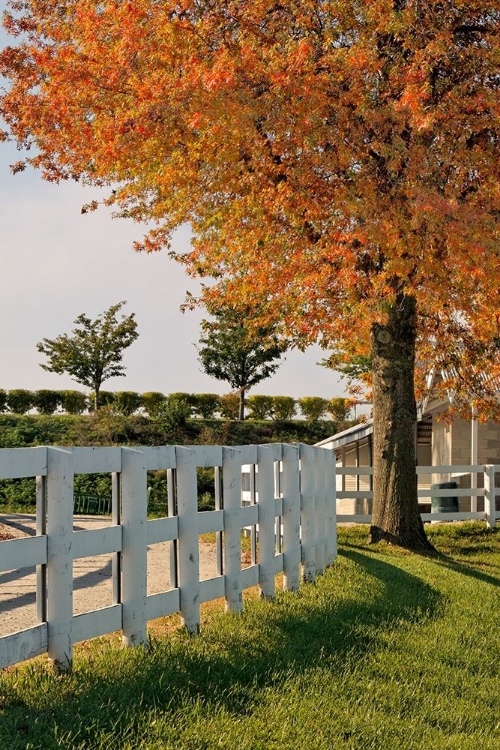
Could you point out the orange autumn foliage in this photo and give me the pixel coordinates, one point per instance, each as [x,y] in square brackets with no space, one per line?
[329,155]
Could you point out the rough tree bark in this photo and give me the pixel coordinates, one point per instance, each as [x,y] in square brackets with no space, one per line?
[395,516]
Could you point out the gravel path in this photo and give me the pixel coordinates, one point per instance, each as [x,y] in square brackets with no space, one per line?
[92,575]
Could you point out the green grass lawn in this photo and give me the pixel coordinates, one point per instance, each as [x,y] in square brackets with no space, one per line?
[387,650]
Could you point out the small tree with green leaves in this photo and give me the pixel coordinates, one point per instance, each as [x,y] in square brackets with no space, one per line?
[3,400]
[46,401]
[205,405]
[19,400]
[284,407]
[73,402]
[313,407]
[233,351]
[339,409]
[127,402]
[93,352]
[261,407]
[152,401]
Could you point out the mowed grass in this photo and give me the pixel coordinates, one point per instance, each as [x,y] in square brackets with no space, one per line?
[386,650]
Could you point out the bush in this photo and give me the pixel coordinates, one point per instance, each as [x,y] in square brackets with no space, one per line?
[73,402]
[172,414]
[20,401]
[284,407]
[3,400]
[313,407]
[127,402]
[229,405]
[46,402]
[185,398]
[339,409]
[261,407]
[151,402]
[206,405]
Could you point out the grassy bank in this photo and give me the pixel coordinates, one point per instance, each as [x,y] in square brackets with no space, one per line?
[388,649]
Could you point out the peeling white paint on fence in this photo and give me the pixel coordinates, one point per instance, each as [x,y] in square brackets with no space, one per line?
[292,510]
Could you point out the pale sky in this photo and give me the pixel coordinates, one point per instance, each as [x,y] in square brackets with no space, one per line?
[57,263]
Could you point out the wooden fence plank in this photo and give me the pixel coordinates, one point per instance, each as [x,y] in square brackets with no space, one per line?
[210,521]
[331,510]
[98,460]
[308,511]
[23,553]
[291,517]
[231,493]
[18,463]
[23,645]
[189,556]
[60,556]
[97,622]
[267,516]
[162,530]
[134,551]
[163,604]
[320,511]
[212,588]
[96,542]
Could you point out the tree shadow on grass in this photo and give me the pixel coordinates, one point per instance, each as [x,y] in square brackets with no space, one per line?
[226,666]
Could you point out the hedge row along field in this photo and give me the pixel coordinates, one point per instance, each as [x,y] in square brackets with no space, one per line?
[152,403]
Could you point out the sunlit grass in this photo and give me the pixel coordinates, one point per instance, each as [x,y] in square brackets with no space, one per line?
[386,650]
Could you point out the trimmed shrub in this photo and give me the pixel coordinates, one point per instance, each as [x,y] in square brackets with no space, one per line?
[261,407]
[339,409]
[284,407]
[151,402]
[19,401]
[313,407]
[206,405]
[229,405]
[127,402]
[184,398]
[3,400]
[73,402]
[172,414]
[46,402]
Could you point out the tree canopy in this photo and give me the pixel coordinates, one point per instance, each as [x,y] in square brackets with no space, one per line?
[337,160]
[232,351]
[93,352]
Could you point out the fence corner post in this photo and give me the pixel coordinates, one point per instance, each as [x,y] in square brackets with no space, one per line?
[59,557]
[231,494]
[331,506]
[291,517]
[134,552]
[266,505]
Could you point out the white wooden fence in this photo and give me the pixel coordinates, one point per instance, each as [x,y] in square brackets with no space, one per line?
[295,516]
[474,475]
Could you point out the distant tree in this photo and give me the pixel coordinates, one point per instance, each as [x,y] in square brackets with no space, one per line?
[73,402]
[229,405]
[127,402]
[313,407]
[152,401]
[3,399]
[339,409]
[94,350]
[261,407]
[231,350]
[206,405]
[20,400]
[46,401]
[284,407]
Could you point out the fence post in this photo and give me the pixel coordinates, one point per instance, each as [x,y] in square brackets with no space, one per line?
[291,518]
[116,520]
[489,495]
[59,557]
[331,506]
[41,529]
[231,493]
[189,553]
[308,511]
[265,488]
[134,552]
[320,509]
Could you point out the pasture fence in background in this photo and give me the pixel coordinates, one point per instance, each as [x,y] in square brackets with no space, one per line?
[481,481]
[293,513]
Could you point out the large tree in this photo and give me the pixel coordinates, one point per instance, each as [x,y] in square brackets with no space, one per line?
[93,352]
[337,160]
[232,351]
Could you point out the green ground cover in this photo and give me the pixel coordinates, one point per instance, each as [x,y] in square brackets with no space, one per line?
[388,649]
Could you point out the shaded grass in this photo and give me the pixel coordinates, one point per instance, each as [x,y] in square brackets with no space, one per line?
[387,649]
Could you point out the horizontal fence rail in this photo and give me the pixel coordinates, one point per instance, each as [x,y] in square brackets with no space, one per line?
[480,481]
[291,510]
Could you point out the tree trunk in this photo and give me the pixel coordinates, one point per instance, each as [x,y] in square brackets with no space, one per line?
[241,415]
[396,516]
[96,398]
